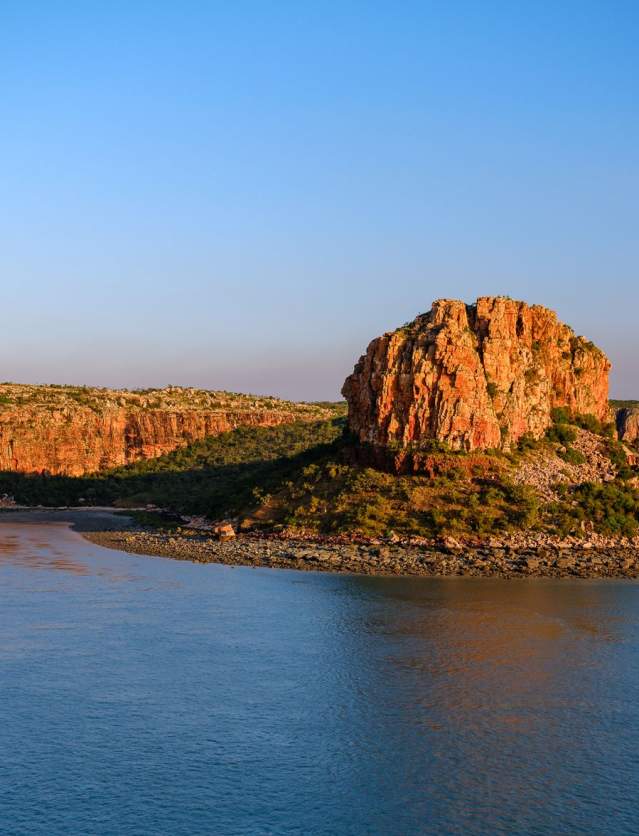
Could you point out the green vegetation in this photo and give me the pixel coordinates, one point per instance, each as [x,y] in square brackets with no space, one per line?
[618,458]
[572,456]
[53,397]
[300,475]
[624,404]
[594,425]
[297,475]
[562,417]
[331,497]
[610,508]
[426,445]
[215,476]
[561,434]
[528,442]
[492,389]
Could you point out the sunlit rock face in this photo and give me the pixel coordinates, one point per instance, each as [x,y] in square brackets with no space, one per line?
[474,376]
[74,431]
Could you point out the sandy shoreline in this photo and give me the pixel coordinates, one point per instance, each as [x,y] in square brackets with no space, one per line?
[107,528]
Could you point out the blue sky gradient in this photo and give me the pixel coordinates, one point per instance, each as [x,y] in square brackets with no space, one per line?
[241,195]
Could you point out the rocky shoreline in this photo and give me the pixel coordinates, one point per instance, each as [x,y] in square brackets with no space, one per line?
[383,559]
[518,556]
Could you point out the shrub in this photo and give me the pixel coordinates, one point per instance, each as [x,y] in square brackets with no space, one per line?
[560,415]
[527,442]
[611,507]
[562,434]
[572,456]
[594,425]
[618,457]
[434,445]
[216,475]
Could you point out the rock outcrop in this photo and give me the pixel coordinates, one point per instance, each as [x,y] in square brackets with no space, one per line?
[75,431]
[474,376]
[627,420]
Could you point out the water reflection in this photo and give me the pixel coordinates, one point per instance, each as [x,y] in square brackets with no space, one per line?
[496,693]
[149,695]
[26,546]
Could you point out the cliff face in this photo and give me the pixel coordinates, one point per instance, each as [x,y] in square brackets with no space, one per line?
[475,376]
[75,431]
[628,424]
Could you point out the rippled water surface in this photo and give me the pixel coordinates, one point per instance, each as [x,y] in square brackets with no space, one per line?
[143,695]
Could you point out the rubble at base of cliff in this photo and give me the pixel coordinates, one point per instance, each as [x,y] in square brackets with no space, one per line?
[513,557]
[545,470]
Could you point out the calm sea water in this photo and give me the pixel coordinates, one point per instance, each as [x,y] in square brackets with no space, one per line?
[142,696]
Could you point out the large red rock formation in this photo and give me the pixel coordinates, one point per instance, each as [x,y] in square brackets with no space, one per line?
[73,431]
[474,376]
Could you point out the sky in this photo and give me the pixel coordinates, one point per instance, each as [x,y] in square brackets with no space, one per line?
[241,195]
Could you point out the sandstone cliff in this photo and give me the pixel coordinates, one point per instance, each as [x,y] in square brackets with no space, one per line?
[627,420]
[74,430]
[474,376]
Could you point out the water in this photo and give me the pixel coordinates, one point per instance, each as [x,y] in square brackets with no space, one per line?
[148,696]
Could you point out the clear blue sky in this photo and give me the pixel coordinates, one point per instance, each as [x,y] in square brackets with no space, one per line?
[242,194]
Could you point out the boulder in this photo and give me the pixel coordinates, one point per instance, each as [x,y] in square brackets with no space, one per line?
[223,532]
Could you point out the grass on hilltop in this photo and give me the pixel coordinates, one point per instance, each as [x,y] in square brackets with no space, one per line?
[56,397]
[624,404]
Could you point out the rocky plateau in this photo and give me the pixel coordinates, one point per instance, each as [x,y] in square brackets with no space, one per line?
[73,431]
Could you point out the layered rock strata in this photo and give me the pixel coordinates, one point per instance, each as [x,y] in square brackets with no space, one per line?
[62,430]
[474,376]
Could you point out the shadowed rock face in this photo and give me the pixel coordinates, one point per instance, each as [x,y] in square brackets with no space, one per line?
[628,424]
[475,376]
